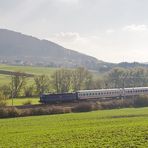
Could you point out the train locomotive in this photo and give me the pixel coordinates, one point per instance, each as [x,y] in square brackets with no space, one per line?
[93,94]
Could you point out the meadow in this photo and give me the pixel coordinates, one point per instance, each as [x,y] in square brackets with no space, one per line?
[21,101]
[109,128]
[4,79]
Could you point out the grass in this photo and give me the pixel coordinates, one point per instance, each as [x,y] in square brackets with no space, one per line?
[28,69]
[98,129]
[21,101]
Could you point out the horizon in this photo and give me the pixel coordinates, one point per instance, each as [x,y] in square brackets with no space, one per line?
[112,31]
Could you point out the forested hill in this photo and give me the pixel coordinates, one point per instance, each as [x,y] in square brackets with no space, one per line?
[17,48]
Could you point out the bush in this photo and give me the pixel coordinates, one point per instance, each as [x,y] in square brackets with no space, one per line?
[28,91]
[13,112]
[3,113]
[83,107]
[2,100]
[9,112]
[38,111]
[141,101]
[57,110]
[116,104]
[5,91]
[67,110]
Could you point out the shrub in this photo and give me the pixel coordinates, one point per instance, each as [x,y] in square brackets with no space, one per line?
[5,91]
[13,112]
[3,113]
[28,91]
[38,111]
[116,104]
[83,107]
[67,110]
[57,110]
[141,101]
[2,100]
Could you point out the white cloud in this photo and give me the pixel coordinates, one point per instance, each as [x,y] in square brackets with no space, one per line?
[135,28]
[67,36]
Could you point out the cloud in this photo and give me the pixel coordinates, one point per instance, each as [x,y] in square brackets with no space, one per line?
[135,28]
[116,47]
[67,36]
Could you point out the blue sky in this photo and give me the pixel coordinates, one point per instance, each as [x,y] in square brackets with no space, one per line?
[110,30]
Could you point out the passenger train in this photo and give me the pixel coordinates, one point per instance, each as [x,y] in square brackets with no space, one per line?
[93,94]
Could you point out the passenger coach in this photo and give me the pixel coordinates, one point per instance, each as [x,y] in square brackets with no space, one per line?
[93,94]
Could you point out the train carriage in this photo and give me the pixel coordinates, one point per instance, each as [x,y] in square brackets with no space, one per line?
[93,94]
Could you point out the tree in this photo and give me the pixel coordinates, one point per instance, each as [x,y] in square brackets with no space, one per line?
[17,82]
[42,83]
[28,91]
[115,78]
[81,79]
[5,91]
[61,80]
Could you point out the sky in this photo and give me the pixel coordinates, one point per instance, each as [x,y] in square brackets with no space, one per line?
[110,30]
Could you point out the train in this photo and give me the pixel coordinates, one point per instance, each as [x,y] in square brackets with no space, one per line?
[93,94]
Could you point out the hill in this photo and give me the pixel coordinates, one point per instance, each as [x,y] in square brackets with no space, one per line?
[20,49]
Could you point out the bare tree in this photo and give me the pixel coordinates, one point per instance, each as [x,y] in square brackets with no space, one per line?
[17,82]
[61,80]
[81,79]
[42,83]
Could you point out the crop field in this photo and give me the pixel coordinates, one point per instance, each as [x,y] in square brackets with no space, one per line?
[97,129]
[21,101]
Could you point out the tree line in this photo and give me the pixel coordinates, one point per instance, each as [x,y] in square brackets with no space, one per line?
[71,80]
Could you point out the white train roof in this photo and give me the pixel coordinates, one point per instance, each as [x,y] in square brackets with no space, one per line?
[113,89]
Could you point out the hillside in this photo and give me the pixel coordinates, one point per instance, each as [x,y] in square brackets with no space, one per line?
[20,49]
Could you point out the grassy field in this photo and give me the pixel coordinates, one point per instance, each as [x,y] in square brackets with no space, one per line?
[28,69]
[21,101]
[98,129]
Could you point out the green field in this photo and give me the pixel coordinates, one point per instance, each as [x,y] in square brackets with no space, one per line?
[21,101]
[111,128]
[27,69]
